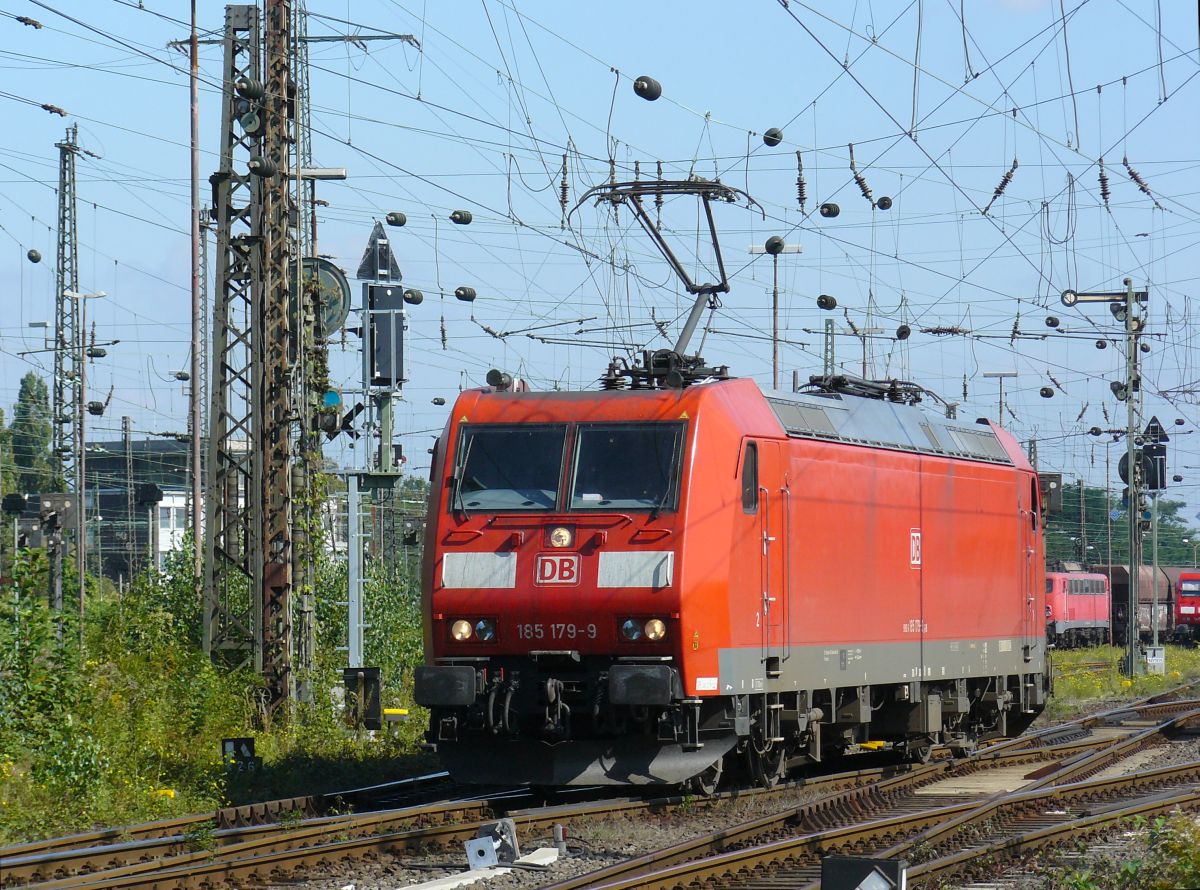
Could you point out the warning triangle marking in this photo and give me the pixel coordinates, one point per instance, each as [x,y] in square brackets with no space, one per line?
[378,261]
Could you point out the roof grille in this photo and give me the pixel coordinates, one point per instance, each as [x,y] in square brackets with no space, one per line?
[797,418]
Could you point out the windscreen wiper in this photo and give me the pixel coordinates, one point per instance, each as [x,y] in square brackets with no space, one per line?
[456,501]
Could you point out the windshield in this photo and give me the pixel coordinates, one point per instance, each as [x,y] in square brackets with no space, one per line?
[627,466]
[509,467]
[1189,588]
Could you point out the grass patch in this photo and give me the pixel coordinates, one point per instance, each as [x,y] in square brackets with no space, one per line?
[1164,855]
[1084,678]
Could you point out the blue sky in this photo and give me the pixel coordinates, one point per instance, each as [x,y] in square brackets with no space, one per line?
[480,117]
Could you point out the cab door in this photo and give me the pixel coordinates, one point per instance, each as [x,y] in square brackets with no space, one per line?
[774,554]
[1030,520]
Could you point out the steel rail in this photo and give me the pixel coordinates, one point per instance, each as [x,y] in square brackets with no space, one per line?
[132,862]
[227,817]
[986,859]
[952,833]
[150,853]
[1072,771]
[829,813]
[1081,757]
[245,815]
[790,859]
[264,861]
[854,783]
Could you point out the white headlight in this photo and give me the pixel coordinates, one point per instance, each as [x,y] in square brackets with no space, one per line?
[461,630]
[655,629]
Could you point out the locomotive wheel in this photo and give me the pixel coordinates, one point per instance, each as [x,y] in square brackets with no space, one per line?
[767,768]
[706,783]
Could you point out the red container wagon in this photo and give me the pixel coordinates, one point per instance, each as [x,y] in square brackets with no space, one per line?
[641,586]
[1187,607]
[1077,609]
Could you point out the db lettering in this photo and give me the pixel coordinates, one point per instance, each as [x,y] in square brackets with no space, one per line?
[557,568]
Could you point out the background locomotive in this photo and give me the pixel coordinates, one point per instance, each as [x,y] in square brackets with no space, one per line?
[1078,605]
[644,585]
[1187,608]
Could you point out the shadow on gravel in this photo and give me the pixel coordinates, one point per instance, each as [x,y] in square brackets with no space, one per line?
[301,774]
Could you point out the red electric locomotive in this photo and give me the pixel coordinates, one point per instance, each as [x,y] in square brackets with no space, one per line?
[1077,609]
[643,585]
[1187,607]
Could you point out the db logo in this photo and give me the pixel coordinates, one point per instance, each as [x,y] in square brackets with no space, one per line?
[914,548]
[557,568]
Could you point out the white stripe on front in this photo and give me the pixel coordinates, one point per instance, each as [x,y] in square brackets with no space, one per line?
[635,568]
[494,570]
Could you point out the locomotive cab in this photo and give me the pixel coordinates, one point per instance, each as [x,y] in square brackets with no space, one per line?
[555,614]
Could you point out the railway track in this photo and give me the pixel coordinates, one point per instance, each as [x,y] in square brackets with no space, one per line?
[264,853]
[401,792]
[106,848]
[258,852]
[251,844]
[961,819]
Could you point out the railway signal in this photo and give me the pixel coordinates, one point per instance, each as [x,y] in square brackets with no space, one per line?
[1128,308]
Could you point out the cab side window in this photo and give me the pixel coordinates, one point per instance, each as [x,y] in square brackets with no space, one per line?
[750,479]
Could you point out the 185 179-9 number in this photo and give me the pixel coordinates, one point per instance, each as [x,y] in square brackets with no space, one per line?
[556,631]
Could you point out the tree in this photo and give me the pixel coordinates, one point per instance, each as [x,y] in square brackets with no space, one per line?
[1107,520]
[8,469]
[30,437]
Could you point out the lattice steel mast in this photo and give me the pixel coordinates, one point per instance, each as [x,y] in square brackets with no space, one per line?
[68,340]
[232,546]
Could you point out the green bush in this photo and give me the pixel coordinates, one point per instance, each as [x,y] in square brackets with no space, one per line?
[127,727]
[1164,854]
